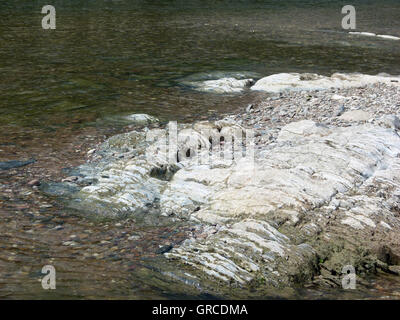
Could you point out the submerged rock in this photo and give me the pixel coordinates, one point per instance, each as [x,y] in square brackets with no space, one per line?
[141,118]
[224,85]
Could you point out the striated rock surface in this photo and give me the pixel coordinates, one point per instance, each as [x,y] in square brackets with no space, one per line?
[315,176]
[299,200]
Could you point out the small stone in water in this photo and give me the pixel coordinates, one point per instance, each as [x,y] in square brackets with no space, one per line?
[164,249]
[34,182]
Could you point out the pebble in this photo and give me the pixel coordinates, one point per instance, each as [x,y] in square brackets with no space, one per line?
[34,182]
[70,179]
[69,243]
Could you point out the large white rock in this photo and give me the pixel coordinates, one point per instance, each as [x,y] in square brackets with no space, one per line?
[261,211]
[306,82]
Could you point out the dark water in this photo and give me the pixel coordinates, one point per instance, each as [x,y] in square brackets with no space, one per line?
[110,58]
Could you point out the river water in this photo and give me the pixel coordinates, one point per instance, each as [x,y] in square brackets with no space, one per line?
[63,90]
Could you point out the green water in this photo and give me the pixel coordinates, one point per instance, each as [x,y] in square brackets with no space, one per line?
[118,57]
[111,58]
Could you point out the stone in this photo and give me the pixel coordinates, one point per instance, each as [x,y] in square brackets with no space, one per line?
[250,108]
[339,111]
[389,121]
[141,119]
[70,179]
[223,85]
[395,269]
[34,182]
[220,82]
[7,165]
[299,82]
[313,198]
[355,115]
[338,97]
[260,207]
[164,249]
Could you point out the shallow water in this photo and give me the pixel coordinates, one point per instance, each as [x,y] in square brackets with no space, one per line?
[117,57]
[63,90]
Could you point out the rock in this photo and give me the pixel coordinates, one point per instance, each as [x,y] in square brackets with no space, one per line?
[338,97]
[224,85]
[141,119]
[164,249]
[305,82]
[34,182]
[70,179]
[220,82]
[315,180]
[301,129]
[250,108]
[339,111]
[395,269]
[7,165]
[389,121]
[58,189]
[355,115]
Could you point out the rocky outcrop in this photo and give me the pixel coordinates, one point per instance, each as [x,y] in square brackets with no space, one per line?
[315,181]
[280,206]
[309,81]
[284,82]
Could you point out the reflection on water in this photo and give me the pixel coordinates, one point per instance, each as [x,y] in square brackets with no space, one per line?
[110,58]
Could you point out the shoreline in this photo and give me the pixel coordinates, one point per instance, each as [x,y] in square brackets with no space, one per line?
[268,116]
